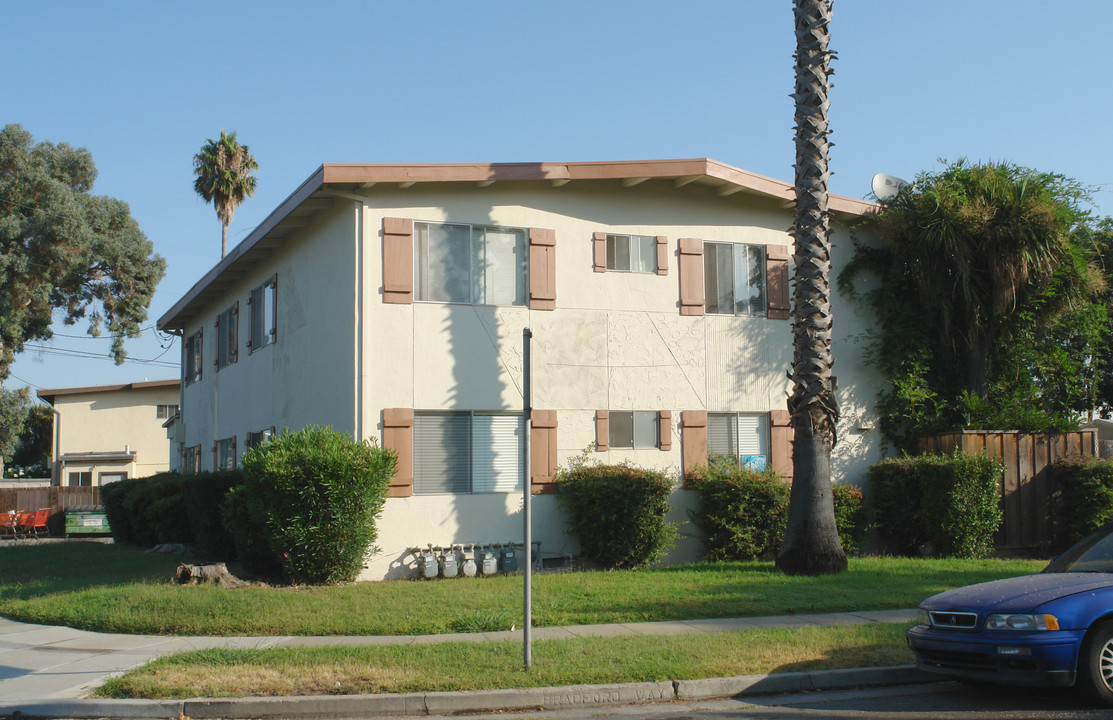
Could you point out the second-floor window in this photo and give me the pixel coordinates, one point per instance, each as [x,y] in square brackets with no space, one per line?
[632,253]
[264,315]
[227,336]
[192,355]
[162,412]
[734,278]
[470,264]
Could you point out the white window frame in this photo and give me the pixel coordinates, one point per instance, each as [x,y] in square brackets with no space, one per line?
[84,478]
[193,356]
[263,316]
[426,267]
[632,253]
[740,436]
[483,453]
[164,412]
[739,294]
[643,429]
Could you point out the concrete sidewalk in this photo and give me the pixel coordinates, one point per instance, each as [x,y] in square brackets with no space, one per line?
[45,670]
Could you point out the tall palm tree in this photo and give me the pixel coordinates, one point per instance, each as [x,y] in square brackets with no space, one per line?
[811,545]
[223,177]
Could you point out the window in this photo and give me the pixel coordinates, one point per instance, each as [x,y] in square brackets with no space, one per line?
[472,264]
[741,437]
[224,454]
[734,278]
[163,412]
[264,315]
[191,350]
[257,438]
[632,253]
[633,429]
[467,452]
[110,477]
[191,459]
[227,332]
[80,479]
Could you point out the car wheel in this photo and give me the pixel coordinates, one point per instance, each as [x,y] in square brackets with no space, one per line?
[1095,663]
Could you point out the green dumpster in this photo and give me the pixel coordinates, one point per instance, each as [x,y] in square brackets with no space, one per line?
[86,520]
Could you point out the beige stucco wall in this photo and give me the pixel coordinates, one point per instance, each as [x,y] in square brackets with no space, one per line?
[616,341]
[110,421]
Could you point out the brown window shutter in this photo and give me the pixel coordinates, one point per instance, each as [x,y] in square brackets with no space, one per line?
[691,276]
[398,435]
[780,443]
[543,451]
[599,251]
[602,430]
[664,429]
[542,269]
[398,260]
[776,281]
[662,255]
[693,434]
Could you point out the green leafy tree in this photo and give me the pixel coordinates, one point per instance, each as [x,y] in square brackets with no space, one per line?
[32,451]
[991,302]
[222,171]
[811,542]
[14,405]
[63,248]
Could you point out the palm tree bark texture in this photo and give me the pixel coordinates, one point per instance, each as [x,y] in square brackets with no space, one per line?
[811,544]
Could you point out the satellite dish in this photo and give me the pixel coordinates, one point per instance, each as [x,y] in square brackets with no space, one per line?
[887,187]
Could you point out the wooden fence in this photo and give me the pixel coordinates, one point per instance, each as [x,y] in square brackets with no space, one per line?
[55,498]
[1026,489]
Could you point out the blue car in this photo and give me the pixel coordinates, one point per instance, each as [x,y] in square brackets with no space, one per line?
[1054,628]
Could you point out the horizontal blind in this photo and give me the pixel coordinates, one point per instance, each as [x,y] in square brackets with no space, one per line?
[442,453]
[497,453]
[722,434]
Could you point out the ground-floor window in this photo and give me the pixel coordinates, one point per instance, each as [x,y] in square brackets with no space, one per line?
[741,437]
[467,452]
[224,454]
[191,459]
[80,479]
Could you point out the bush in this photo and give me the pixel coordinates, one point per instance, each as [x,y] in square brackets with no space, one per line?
[148,511]
[308,505]
[743,512]
[618,513]
[204,495]
[1082,499]
[946,502]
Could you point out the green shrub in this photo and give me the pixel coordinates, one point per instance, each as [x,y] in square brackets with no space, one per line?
[618,513]
[308,504]
[204,495]
[947,502]
[850,513]
[1082,499]
[148,511]
[742,512]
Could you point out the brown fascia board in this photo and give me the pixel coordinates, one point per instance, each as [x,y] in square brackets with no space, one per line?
[48,395]
[343,174]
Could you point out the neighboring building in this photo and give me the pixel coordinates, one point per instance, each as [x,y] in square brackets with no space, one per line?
[110,432]
[389,301]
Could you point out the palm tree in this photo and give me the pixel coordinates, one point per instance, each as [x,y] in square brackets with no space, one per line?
[811,545]
[223,177]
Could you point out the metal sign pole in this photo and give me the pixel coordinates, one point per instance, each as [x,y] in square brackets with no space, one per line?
[527,576]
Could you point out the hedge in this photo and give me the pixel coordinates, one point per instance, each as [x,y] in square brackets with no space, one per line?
[743,512]
[1082,499]
[618,513]
[945,503]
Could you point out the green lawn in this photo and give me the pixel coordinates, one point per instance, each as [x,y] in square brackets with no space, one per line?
[485,666]
[121,589]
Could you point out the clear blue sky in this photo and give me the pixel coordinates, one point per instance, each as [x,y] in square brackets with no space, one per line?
[143,84]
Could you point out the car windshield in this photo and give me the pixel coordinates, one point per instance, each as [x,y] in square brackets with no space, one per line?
[1092,554]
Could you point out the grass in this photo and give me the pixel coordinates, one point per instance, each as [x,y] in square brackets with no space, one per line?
[113,588]
[486,666]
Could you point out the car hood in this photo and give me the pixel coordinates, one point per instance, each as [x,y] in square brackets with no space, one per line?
[1020,593]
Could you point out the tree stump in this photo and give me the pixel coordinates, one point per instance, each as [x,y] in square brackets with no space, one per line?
[214,573]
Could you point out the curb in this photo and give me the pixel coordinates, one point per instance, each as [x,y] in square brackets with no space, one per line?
[448,703]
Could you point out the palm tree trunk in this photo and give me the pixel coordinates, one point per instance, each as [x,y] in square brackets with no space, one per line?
[223,239]
[811,545]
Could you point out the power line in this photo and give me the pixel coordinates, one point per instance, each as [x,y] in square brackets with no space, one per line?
[86,355]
